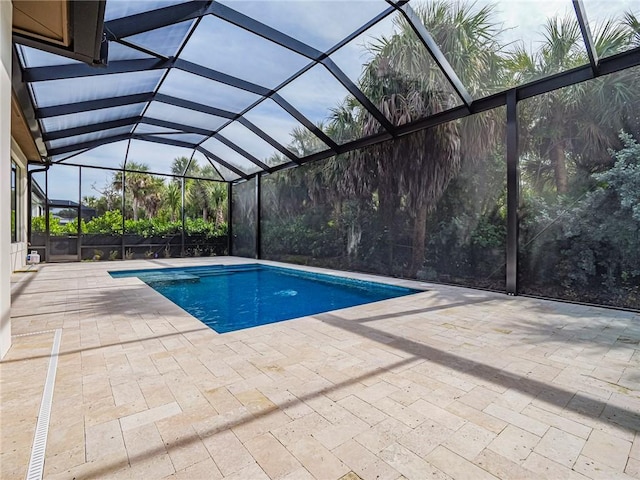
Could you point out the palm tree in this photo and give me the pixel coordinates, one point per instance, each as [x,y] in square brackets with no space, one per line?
[593,111]
[406,84]
[154,196]
[180,164]
[218,201]
[173,198]
[206,196]
[143,189]
[634,25]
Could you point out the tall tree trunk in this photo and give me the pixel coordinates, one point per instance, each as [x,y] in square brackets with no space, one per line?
[135,208]
[387,201]
[219,216]
[205,214]
[419,237]
[558,158]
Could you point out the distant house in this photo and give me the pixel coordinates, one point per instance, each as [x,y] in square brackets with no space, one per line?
[66,210]
[38,200]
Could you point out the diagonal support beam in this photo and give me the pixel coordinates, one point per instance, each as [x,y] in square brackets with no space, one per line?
[88,145]
[217,76]
[210,156]
[146,51]
[180,143]
[267,138]
[96,127]
[357,93]
[77,70]
[153,19]
[64,72]
[241,151]
[247,23]
[178,102]
[587,37]
[143,22]
[92,128]
[436,53]
[291,110]
[175,126]
[90,105]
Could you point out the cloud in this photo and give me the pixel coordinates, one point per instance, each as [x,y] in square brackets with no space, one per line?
[320,24]
[198,89]
[315,93]
[249,141]
[222,46]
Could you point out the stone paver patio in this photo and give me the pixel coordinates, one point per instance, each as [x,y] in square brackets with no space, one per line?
[448,383]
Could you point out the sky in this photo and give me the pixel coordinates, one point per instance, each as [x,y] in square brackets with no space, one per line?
[219,45]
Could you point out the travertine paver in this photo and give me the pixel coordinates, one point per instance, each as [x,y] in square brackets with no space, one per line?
[448,383]
[514,443]
[456,466]
[559,446]
[607,449]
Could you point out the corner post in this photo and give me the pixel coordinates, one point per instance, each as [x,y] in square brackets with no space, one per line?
[258,215]
[229,219]
[512,193]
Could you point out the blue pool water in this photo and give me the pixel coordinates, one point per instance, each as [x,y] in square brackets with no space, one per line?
[233,297]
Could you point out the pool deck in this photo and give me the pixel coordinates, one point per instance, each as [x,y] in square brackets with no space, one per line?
[447,383]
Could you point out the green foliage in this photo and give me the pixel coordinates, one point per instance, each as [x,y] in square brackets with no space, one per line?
[197,226]
[623,179]
[56,227]
[151,227]
[590,246]
[111,223]
[108,223]
[488,234]
[38,224]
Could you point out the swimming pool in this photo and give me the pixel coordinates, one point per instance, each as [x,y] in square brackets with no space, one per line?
[233,297]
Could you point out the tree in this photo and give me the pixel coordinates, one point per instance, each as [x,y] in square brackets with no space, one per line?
[107,201]
[599,107]
[202,196]
[180,164]
[173,198]
[592,254]
[142,189]
[406,85]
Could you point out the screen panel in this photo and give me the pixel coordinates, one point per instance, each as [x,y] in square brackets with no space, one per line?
[244,218]
[395,70]
[580,227]
[218,45]
[320,24]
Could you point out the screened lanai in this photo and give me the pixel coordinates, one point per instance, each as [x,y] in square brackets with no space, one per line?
[184,180]
[457,142]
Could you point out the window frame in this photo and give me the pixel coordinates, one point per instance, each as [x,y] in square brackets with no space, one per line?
[15,204]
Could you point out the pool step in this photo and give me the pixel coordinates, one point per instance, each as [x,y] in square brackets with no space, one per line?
[227,271]
[170,277]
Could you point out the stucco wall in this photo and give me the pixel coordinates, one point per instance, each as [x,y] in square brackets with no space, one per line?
[5,175]
[19,249]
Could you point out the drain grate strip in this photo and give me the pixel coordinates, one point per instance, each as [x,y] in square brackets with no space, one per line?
[36,463]
[32,333]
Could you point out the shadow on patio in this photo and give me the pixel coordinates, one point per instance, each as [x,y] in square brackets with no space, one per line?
[600,410]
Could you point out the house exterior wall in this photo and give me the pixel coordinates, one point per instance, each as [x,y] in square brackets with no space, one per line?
[5,175]
[19,248]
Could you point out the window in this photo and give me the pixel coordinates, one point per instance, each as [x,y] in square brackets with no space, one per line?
[15,211]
